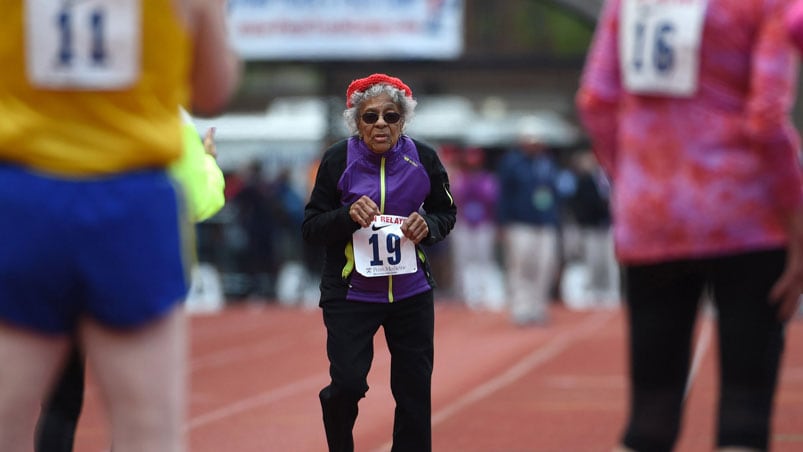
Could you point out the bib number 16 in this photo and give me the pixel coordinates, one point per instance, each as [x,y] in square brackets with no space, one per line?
[659,44]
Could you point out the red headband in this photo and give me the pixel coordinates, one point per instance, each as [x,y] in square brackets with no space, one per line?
[362,84]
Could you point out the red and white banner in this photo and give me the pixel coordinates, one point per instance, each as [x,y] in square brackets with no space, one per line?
[346,29]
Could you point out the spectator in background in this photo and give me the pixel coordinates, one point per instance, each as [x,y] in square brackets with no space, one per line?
[290,206]
[693,128]
[292,279]
[440,254]
[476,275]
[256,214]
[312,253]
[532,188]
[590,208]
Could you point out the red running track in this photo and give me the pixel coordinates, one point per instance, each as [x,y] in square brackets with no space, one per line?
[256,371]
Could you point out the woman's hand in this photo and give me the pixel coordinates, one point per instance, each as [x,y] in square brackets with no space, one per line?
[363,211]
[209,142]
[415,228]
[786,292]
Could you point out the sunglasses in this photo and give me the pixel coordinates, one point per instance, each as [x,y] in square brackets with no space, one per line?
[391,117]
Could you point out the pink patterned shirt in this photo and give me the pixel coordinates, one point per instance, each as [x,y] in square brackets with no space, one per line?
[712,174]
[794,23]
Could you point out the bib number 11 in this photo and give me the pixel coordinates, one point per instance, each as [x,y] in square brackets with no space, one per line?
[88,44]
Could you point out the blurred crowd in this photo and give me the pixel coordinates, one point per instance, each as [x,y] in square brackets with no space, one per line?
[533,228]
[257,233]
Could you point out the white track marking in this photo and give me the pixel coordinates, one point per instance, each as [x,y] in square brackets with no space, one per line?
[302,386]
[541,355]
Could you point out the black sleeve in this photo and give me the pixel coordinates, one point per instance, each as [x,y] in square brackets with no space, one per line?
[440,211]
[326,221]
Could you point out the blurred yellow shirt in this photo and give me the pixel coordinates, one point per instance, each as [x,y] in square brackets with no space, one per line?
[91,88]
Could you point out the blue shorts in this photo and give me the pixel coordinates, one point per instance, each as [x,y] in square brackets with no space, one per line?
[117,249]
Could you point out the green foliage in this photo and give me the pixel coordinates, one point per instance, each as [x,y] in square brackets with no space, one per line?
[527,27]
[546,28]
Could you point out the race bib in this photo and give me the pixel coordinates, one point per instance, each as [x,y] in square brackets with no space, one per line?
[659,45]
[86,44]
[381,249]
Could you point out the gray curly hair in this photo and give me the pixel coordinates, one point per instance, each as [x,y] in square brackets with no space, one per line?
[406,105]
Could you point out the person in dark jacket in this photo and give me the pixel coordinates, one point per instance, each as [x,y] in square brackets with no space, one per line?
[378,197]
[590,205]
[533,187]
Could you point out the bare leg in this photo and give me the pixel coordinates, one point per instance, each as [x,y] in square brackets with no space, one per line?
[31,363]
[142,374]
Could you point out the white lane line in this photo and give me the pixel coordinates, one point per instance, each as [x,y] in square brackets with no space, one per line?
[541,355]
[238,353]
[527,364]
[302,386]
[703,342]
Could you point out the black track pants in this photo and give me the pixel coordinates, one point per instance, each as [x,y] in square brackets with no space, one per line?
[408,325]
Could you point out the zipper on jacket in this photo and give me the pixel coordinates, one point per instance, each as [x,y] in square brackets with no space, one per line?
[382,186]
[348,267]
[382,194]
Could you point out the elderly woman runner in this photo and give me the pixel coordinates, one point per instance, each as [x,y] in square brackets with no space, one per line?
[378,196]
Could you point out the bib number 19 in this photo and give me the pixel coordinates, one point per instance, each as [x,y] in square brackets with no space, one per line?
[392,244]
[382,249]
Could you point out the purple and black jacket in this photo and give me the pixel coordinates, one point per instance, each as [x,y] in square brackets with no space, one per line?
[408,178]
